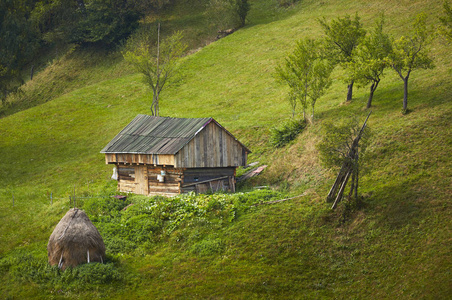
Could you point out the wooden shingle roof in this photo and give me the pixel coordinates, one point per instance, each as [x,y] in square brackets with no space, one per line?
[157,135]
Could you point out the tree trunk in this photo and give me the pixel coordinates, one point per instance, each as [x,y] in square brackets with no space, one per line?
[350,91]
[352,188]
[312,116]
[357,174]
[373,87]
[405,93]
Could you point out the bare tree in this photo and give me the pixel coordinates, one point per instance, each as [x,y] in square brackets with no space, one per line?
[158,65]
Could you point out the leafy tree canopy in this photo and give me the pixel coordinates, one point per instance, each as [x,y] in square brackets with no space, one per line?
[446,21]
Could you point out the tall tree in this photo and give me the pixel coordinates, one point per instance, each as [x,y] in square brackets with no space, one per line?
[18,44]
[342,36]
[411,53]
[226,14]
[86,21]
[158,65]
[307,73]
[370,59]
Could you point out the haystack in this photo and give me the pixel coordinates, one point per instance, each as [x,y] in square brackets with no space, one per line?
[74,241]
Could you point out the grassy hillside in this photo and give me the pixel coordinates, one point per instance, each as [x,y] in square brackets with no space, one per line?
[397,245]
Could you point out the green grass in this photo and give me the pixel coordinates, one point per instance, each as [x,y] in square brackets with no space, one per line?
[396,246]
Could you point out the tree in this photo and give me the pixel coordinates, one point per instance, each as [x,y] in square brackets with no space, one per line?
[370,59]
[18,44]
[86,21]
[307,73]
[411,53]
[225,14]
[342,36]
[446,21]
[105,21]
[158,65]
[242,7]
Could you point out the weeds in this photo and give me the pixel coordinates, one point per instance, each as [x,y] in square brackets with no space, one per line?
[281,136]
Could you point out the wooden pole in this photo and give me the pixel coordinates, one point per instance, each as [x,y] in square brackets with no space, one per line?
[341,191]
[336,184]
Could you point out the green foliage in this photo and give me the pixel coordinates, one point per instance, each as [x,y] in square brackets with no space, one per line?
[149,220]
[242,7]
[31,269]
[272,251]
[369,59]
[286,3]
[287,132]
[208,247]
[86,22]
[99,208]
[18,45]
[105,22]
[446,21]
[337,141]
[227,14]
[158,66]
[412,52]
[307,73]
[342,36]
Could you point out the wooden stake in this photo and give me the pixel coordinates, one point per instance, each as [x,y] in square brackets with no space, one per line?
[341,191]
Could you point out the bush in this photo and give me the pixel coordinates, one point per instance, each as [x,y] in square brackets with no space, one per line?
[28,268]
[149,220]
[99,208]
[281,136]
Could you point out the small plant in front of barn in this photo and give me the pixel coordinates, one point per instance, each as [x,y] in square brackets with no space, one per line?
[151,220]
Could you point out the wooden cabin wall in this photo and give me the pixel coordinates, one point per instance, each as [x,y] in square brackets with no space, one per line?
[210,148]
[194,180]
[133,179]
[171,185]
[126,178]
[146,159]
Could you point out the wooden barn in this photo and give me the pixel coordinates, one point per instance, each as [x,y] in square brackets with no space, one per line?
[170,156]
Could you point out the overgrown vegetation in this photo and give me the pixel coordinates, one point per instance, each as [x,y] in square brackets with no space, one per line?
[287,132]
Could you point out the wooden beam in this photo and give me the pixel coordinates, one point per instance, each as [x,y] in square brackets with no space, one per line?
[205,181]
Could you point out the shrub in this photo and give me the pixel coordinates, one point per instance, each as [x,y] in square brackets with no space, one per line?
[281,136]
[96,208]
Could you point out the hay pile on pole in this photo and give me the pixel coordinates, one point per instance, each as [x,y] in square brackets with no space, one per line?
[349,169]
[74,241]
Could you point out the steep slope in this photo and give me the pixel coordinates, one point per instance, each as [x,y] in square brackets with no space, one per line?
[398,245]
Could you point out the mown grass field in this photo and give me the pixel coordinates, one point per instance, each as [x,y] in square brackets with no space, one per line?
[398,245]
